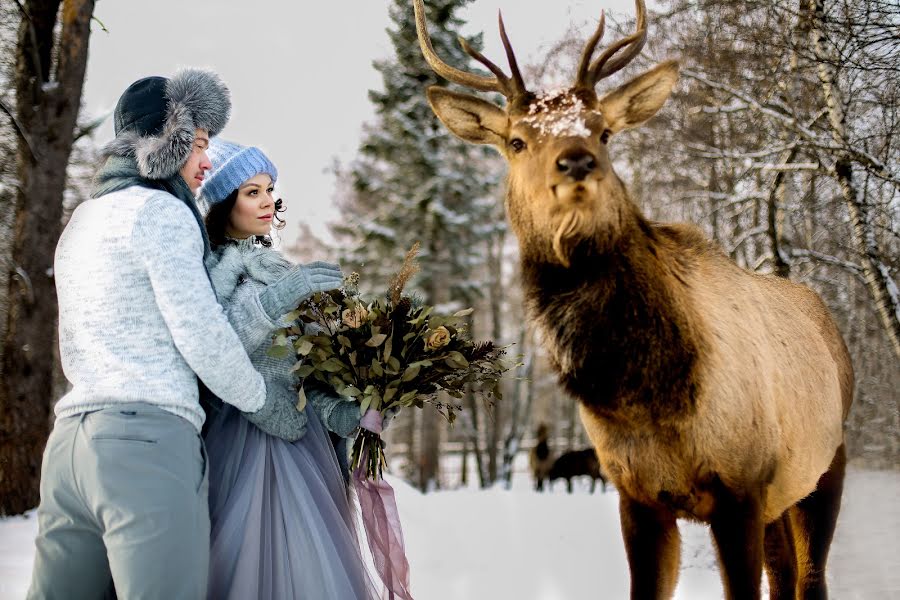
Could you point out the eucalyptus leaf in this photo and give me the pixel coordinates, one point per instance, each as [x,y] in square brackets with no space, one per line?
[332,365]
[301,399]
[376,340]
[304,347]
[303,370]
[278,351]
[410,373]
[459,358]
[388,346]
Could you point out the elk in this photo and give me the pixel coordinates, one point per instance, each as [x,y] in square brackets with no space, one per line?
[709,392]
[539,458]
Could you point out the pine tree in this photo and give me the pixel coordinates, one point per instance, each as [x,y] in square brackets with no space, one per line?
[414,182]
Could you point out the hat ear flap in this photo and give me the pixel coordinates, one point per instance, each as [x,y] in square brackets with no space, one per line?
[203,95]
[162,156]
[122,145]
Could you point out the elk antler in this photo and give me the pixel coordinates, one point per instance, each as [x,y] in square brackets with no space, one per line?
[509,87]
[588,76]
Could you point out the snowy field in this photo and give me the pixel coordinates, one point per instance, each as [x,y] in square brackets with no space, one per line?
[517,544]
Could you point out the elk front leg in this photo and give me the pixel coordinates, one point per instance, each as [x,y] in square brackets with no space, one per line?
[653,547]
[738,532]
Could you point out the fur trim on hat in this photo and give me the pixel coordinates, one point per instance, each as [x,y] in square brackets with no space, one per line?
[162,156]
[197,99]
[204,95]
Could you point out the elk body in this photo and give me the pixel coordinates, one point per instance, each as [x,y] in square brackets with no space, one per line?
[709,392]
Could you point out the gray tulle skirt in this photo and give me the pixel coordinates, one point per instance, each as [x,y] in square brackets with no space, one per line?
[281,522]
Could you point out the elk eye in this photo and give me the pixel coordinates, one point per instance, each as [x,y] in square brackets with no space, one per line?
[517,145]
[604,137]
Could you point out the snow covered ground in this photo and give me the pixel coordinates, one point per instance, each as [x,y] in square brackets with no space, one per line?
[517,544]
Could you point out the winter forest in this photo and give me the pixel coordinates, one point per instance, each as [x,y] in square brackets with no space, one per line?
[781,141]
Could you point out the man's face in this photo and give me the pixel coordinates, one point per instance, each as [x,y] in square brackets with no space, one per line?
[197,164]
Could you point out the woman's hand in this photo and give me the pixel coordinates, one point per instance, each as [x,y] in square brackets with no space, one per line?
[297,285]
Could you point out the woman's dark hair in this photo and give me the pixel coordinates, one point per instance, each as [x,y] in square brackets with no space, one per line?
[218,216]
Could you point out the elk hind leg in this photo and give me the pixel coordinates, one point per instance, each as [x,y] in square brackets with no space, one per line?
[653,548]
[781,559]
[814,521]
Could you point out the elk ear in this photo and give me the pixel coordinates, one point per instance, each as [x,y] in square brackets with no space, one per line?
[639,99]
[473,119]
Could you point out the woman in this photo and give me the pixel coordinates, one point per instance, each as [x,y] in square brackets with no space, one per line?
[281,524]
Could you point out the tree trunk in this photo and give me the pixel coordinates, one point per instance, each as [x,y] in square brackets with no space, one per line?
[572,423]
[429,462]
[521,409]
[876,273]
[412,454]
[47,103]
[776,201]
[430,426]
[472,436]
[464,466]
[495,274]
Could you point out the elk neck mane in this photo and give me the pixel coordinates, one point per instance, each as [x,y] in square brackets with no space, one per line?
[628,342]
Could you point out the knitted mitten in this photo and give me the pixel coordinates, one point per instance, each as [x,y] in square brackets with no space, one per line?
[279,415]
[338,414]
[298,284]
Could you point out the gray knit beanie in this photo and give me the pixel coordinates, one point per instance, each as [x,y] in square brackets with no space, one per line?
[233,164]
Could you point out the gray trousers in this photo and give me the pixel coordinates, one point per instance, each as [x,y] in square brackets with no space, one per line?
[124,500]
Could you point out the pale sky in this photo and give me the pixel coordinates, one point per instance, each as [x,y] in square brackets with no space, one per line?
[299,71]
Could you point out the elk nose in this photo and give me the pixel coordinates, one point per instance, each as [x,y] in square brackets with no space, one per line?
[576,164]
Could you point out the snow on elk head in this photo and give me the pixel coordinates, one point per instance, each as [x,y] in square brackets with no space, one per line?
[562,189]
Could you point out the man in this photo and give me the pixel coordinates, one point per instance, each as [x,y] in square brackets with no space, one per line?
[123,481]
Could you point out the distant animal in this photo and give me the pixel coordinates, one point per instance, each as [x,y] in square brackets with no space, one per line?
[577,463]
[539,458]
[709,393]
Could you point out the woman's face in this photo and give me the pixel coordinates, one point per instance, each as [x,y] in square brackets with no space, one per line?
[254,209]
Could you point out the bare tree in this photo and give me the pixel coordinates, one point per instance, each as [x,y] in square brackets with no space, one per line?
[51,57]
[826,24]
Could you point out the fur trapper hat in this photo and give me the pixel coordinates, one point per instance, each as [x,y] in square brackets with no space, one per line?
[155,119]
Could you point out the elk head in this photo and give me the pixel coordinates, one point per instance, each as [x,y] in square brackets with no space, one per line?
[561,189]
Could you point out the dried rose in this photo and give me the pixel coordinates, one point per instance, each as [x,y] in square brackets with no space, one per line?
[354,317]
[438,338]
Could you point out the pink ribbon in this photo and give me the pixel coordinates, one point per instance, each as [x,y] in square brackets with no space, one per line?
[382,522]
